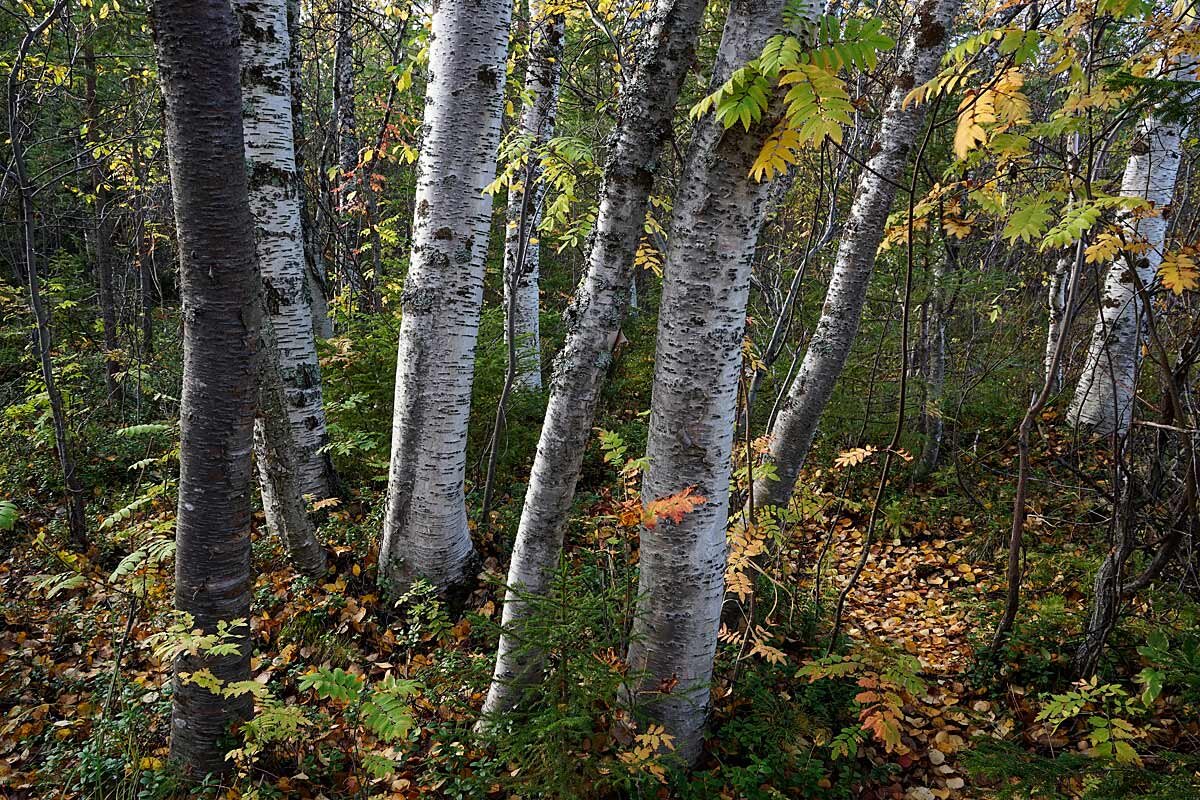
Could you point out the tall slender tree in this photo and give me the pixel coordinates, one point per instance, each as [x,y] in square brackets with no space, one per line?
[1103,399]
[718,213]
[274,188]
[935,337]
[425,531]
[18,130]
[345,120]
[314,260]
[1056,300]
[547,31]
[100,232]
[355,186]
[646,109]
[829,347]
[198,63]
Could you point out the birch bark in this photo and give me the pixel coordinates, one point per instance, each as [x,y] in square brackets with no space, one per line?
[1056,301]
[356,186]
[1103,400]
[314,263]
[796,424]
[274,194]
[525,199]
[715,224]
[279,470]
[425,526]
[198,63]
[593,320]
[1056,305]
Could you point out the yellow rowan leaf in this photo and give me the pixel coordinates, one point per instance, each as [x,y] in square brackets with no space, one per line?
[956,227]
[779,151]
[1104,249]
[975,110]
[1178,272]
[854,457]
[771,655]
[1010,104]
[739,583]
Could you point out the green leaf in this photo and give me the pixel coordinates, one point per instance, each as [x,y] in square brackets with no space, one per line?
[1125,753]
[377,766]
[203,678]
[144,430]
[1077,221]
[1152,679]
[336,684]
[122,514]
[253,688]
[9,514]
[1029,222]
[387,713]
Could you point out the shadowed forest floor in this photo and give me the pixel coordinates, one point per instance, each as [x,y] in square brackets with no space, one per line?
[909,706]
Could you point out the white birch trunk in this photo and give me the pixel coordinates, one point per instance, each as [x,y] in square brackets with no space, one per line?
[593,324]
[278,467]
[313,260]
[796,425]
[425,527]
[715,224]
[279,240]
[1056,304]
[526,195]
[1103,400]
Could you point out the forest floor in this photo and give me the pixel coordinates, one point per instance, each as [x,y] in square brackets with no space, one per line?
[919,596]
[923,596]
[83,694]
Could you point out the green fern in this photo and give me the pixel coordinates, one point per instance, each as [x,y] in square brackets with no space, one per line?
[9,514]
[387,713]
[333,684]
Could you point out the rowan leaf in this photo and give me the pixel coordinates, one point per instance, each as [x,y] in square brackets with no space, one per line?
[672,508]
[1178,272]
[1029,222]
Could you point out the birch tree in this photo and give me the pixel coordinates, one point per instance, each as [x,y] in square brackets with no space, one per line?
[594,317]
[274,195]
[1056,301]
[314,261]
[425,531]
[796,424]
[355,187]
[1103,399]
[718,213]
[198,64]
[526,195]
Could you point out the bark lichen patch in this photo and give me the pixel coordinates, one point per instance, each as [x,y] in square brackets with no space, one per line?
[931,33]
[488,75]
[266,174]
[419,299]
